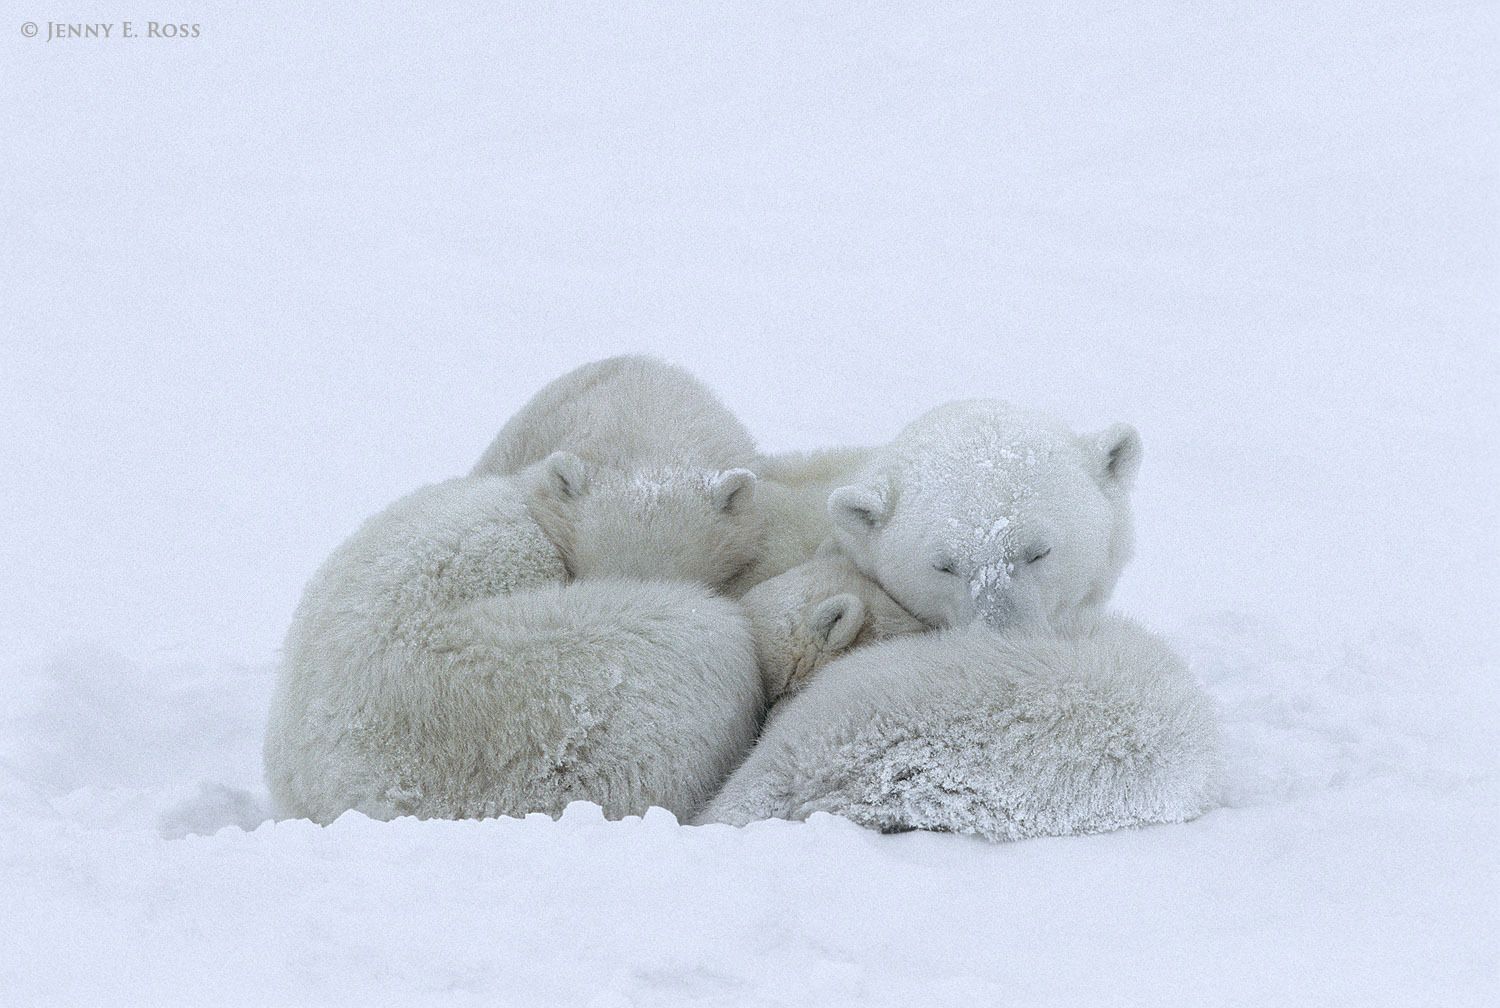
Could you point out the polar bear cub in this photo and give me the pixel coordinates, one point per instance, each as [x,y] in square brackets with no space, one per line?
[980,509]
[806,617]
[1039,731]
[640,422]
[444,662]
[656,521]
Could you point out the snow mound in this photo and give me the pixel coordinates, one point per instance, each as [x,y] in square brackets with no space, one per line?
[1348,869]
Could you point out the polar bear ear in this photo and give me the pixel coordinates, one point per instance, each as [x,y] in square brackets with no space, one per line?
[1118,449]
[566,475]
[859,508]
[732,490]
[837,620]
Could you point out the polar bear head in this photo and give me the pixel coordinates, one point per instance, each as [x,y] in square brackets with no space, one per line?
[804,618]
[661,522]
[980,509]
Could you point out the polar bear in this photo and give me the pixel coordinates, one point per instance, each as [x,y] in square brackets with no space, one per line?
[811,614]
[1090,726]
[981,509]
[625,414]
[620,412]
[475,650]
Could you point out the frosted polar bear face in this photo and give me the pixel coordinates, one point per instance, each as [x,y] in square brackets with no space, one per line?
[803,619]
[979,509]
[662,522]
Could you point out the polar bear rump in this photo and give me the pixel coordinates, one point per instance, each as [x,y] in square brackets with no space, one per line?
[625,693]
[1035,733]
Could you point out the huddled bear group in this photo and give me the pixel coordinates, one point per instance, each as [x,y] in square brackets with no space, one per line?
[626,603]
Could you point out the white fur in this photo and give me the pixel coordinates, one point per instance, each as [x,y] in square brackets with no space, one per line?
[1035,732]
[803,619]
[793,495]
[638,423]
[441,665]
[620,412]
[981,509]
[654,521]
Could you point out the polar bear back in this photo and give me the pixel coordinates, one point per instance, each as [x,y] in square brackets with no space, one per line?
[375,608]
[1028,734]
[432,550]
[620,412]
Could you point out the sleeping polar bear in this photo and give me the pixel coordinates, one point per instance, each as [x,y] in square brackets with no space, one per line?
[624,413]
[981,509]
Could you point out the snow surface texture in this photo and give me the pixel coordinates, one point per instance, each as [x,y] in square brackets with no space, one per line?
[259,284]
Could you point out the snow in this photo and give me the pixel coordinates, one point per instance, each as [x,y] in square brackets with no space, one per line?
[258,284]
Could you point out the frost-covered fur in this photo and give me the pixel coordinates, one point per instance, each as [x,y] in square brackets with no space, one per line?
[1035,732]
[806,617]
[441,664]
[621,412]
[793,494]
[982,509]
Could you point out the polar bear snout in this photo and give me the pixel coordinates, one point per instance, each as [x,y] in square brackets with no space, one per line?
[997,615]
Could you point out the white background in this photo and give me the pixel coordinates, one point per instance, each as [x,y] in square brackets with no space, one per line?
[255,285]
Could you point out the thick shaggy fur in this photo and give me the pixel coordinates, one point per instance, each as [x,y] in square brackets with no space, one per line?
[981,509]
[808,616]
[1036,732]
[620,412]
[440,664]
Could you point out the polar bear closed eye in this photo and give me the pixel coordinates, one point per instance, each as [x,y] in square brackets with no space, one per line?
[980,509]
[806,617]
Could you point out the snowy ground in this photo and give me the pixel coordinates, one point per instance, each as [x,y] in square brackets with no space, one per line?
[257,284]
